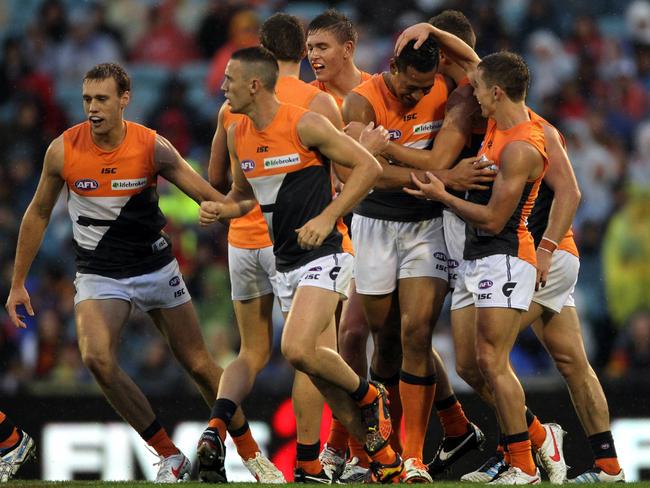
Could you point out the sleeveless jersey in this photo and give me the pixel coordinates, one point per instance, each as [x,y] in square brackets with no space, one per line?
[113,203]
[514,239]
[292,183]
[250,231]
[339,100]
[410,126]
[538,219]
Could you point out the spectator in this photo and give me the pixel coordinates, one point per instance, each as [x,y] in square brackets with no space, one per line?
[631,357]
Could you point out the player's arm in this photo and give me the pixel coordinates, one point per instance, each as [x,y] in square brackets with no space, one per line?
[455,48]
[219,159]
[519,162]
[560,178]
[465,175]
[171,166]
[316,131]
[449,142]
[240,199]
[32,228]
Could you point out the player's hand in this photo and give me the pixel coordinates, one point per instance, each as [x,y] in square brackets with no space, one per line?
[313,233]
[471,174]
[434,189]
[543,266]
[209,213]
[374,139]
[354,129]
[420,32]
[18,296]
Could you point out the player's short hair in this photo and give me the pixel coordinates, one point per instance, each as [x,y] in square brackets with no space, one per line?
[110,70]
[508,71]
[422,59]
[283,35]
[335,22]
[455,22]
[261,62]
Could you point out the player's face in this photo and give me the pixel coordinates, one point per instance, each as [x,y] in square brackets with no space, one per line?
[483,94]
[102,105]
[326,54]
[236,86]
[411,85]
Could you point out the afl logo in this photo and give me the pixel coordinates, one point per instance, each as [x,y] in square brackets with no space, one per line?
[394,134]
[452,263]
[86,184]
[440,256]
[485,284]
[175,281]
[247,165]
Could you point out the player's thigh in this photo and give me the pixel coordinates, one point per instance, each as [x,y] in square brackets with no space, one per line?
[562,337]
[255,323]
[496,332]
[352,316]
[99,324]
[463,329]
[378,310]
[420,300]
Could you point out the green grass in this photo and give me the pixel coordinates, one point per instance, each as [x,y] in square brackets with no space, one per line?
[141,484]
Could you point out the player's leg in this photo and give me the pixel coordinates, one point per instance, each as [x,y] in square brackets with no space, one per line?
[562,337]
[16,447]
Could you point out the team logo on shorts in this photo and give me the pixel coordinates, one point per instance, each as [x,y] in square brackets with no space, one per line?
[247,165]
[394,134]
[335,272]
[175,281]
[483,285]
[86,184]
[440,256]
[508,287]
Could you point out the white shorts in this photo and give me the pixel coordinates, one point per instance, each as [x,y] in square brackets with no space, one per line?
[252,272]
[332,272]
[454,232]
[561,282]
[499,281]
[163,288]
[387,251]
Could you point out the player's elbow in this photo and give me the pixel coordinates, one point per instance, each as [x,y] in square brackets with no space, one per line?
[374,169]
[492,226]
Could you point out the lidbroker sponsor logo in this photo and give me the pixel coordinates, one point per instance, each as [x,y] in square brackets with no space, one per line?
[281,161]
[175,281]
[394,134]
[86,184]
[427,127]
[485,284]
[128,184]
[441,256]
[247,165]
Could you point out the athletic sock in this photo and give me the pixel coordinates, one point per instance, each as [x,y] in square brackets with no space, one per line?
[417,394]
[221,415]
[394,407]
[385,455]
[604,450]
[536,431]
[307,458]
[9,434]
[365,393]
[357,450]
[338,436]
[452,417]
[156,436]
[521,455]
[246,446]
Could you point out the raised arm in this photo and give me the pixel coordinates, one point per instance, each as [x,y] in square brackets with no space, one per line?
[519,162]
[219,159]
[32,228]
[455,48]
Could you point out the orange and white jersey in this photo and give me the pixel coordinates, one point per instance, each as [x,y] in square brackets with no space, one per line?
[415,127]
[291,182]
[113,203]
[339,100]
[515,238]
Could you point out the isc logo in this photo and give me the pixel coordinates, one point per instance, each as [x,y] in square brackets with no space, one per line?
[86,184]
[262,149]
[408,117]
[108,171]
[247,165]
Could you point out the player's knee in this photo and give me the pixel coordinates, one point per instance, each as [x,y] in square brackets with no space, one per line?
[416,337]
[101,364]
[353,335]
[570,365]
[297,356]
[487,363]
[255,359]
[471,374]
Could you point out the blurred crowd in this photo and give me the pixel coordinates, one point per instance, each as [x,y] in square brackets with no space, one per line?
[590,63]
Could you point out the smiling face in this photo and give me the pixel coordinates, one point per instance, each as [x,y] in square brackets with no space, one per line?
[102,104]
[326,54]
[410,85]
[484,94]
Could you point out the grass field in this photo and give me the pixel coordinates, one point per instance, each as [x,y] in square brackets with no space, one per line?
[141,484]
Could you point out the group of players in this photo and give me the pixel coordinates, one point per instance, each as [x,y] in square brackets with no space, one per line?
[454,184]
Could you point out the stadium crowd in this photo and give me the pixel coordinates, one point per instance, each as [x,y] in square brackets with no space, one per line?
[590,63]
